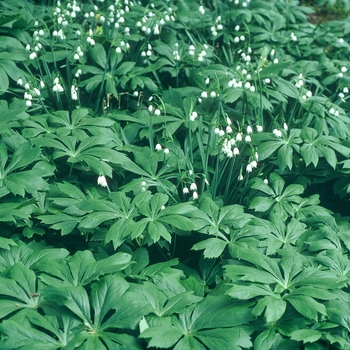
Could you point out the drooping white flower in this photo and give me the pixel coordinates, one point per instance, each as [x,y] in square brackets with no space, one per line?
[158,147]
[259,128]
[101,180]
[248,139]
[193,186]
[166,150]
[277,133]
[185,190]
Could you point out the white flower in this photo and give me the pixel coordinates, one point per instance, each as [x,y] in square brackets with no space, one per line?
[309,93]
[285,126]
[207,81]
[228,129]
[143,183]
[259,128]
[248,138]
[118,50]
[76,57]
[101,180]
[332,111]
[235,151]
[26,86]
[157,112]
[249,168]
[185,190]
[204,94]
[277,132]
[193,186]
[239,137]
[158,147]
[201,10]
[275,61]
[195,195]
[344,69]
[74,93]
[221,133]
[36,91]
[213,94]
[266,181]
[166,150]
[345,90]
[27,96]
[252,88]
[20,82]
[42,84]
[28,103]
[254,164]
[193,116]
[240,177]
[267,81]
[78,73]
[32,56]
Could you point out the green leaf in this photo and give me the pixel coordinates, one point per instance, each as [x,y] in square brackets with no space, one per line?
[261,204]
[265,340]
[105,294]
[18,336]
[213,247]
[307,306]
[74,298]
[162,337]
[245,292]
[285,157]
[266,149]
[98,54]
[225,338]
[306,335]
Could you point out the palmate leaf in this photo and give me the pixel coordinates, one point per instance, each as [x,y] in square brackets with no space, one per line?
[82,268]
[213,247]
[110,311]
[21,337]
[18,290]
[212,321]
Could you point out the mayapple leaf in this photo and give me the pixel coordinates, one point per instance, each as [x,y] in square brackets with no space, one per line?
[225,338]
[306,335]
[105,294]
[24,155]
[179,302]
[245,292]
[74,298]
[307,306]
[162,337]
[23,337]
[274,307]
[265,339]
[213,247]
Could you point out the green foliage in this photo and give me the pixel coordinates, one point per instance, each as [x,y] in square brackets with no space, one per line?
[174,175]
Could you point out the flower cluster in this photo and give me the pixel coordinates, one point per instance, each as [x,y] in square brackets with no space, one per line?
[30,92]
[57,87]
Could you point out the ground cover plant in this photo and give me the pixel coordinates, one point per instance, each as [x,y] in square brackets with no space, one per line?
[174,175]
